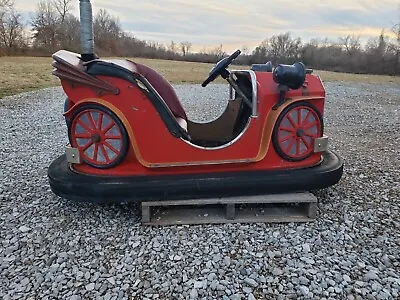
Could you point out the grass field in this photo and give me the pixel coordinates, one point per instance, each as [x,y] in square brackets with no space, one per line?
[21,74]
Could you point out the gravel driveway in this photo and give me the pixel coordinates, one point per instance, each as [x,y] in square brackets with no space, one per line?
[52,248]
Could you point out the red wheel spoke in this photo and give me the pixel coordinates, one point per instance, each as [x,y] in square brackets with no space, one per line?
[83,136]
[108,128]
[305,142]
[112,137]
[111,147]
[310,125]
[103,149]
[90,143]
[91,120]
[287,129]
[291,121]
[290,145]
[311,135]
[282,140]
[100,121]
[299,116]
[298,142]
[306,118]
[96,152]
[84,125]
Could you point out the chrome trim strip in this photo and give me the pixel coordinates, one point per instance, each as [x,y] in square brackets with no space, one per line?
[255,93]
[205,163]
[253,76]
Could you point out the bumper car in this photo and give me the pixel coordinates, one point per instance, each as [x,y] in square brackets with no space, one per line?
[130,138]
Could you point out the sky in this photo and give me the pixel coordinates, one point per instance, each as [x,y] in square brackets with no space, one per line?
[238,23]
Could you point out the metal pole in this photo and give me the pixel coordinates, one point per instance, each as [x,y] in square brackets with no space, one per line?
[87,36]
[239,91]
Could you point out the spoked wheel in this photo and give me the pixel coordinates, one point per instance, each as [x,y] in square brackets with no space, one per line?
[99,135]
[296,130]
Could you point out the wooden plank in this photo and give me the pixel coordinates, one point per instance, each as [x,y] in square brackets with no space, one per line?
[230,211]
[216,214]
[282,208]
[312,210]
[271,198]
[146,210]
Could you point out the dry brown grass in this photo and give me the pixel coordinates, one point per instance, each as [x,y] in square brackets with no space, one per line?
[20,74]
[362,78]
[178,71]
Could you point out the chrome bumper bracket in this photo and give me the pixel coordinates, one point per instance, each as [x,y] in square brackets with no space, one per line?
[321,144]
[73,155]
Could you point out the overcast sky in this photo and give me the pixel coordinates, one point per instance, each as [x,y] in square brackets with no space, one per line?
[235,23]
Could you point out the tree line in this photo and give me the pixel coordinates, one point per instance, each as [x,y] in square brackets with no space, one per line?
[54,27]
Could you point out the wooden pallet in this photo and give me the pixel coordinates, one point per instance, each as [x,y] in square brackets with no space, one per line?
[278,208]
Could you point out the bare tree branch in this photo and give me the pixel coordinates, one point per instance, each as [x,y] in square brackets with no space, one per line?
[351,44]
[11,28]
[63,7]
[185,48]
[6,4]
[44,24]
[396,31]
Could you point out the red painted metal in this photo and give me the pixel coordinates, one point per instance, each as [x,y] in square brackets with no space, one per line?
[153,150]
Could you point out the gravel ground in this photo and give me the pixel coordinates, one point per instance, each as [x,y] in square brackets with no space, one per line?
[52,248]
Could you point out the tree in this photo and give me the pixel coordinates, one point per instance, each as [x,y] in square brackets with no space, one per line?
[12,31]
[107,31]
[351,44]
[44,25]
[245,50]
[377,54]
[11,27]
[396,46]
[309,53]
[69,33]
[283,46]
[172,47]
[63,8]
[259,54]
[6,5]
[185,48]
[54,26]
[377,46]
[217,52]
[68,26]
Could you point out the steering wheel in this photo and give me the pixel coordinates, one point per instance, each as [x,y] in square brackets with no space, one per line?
[220,68]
